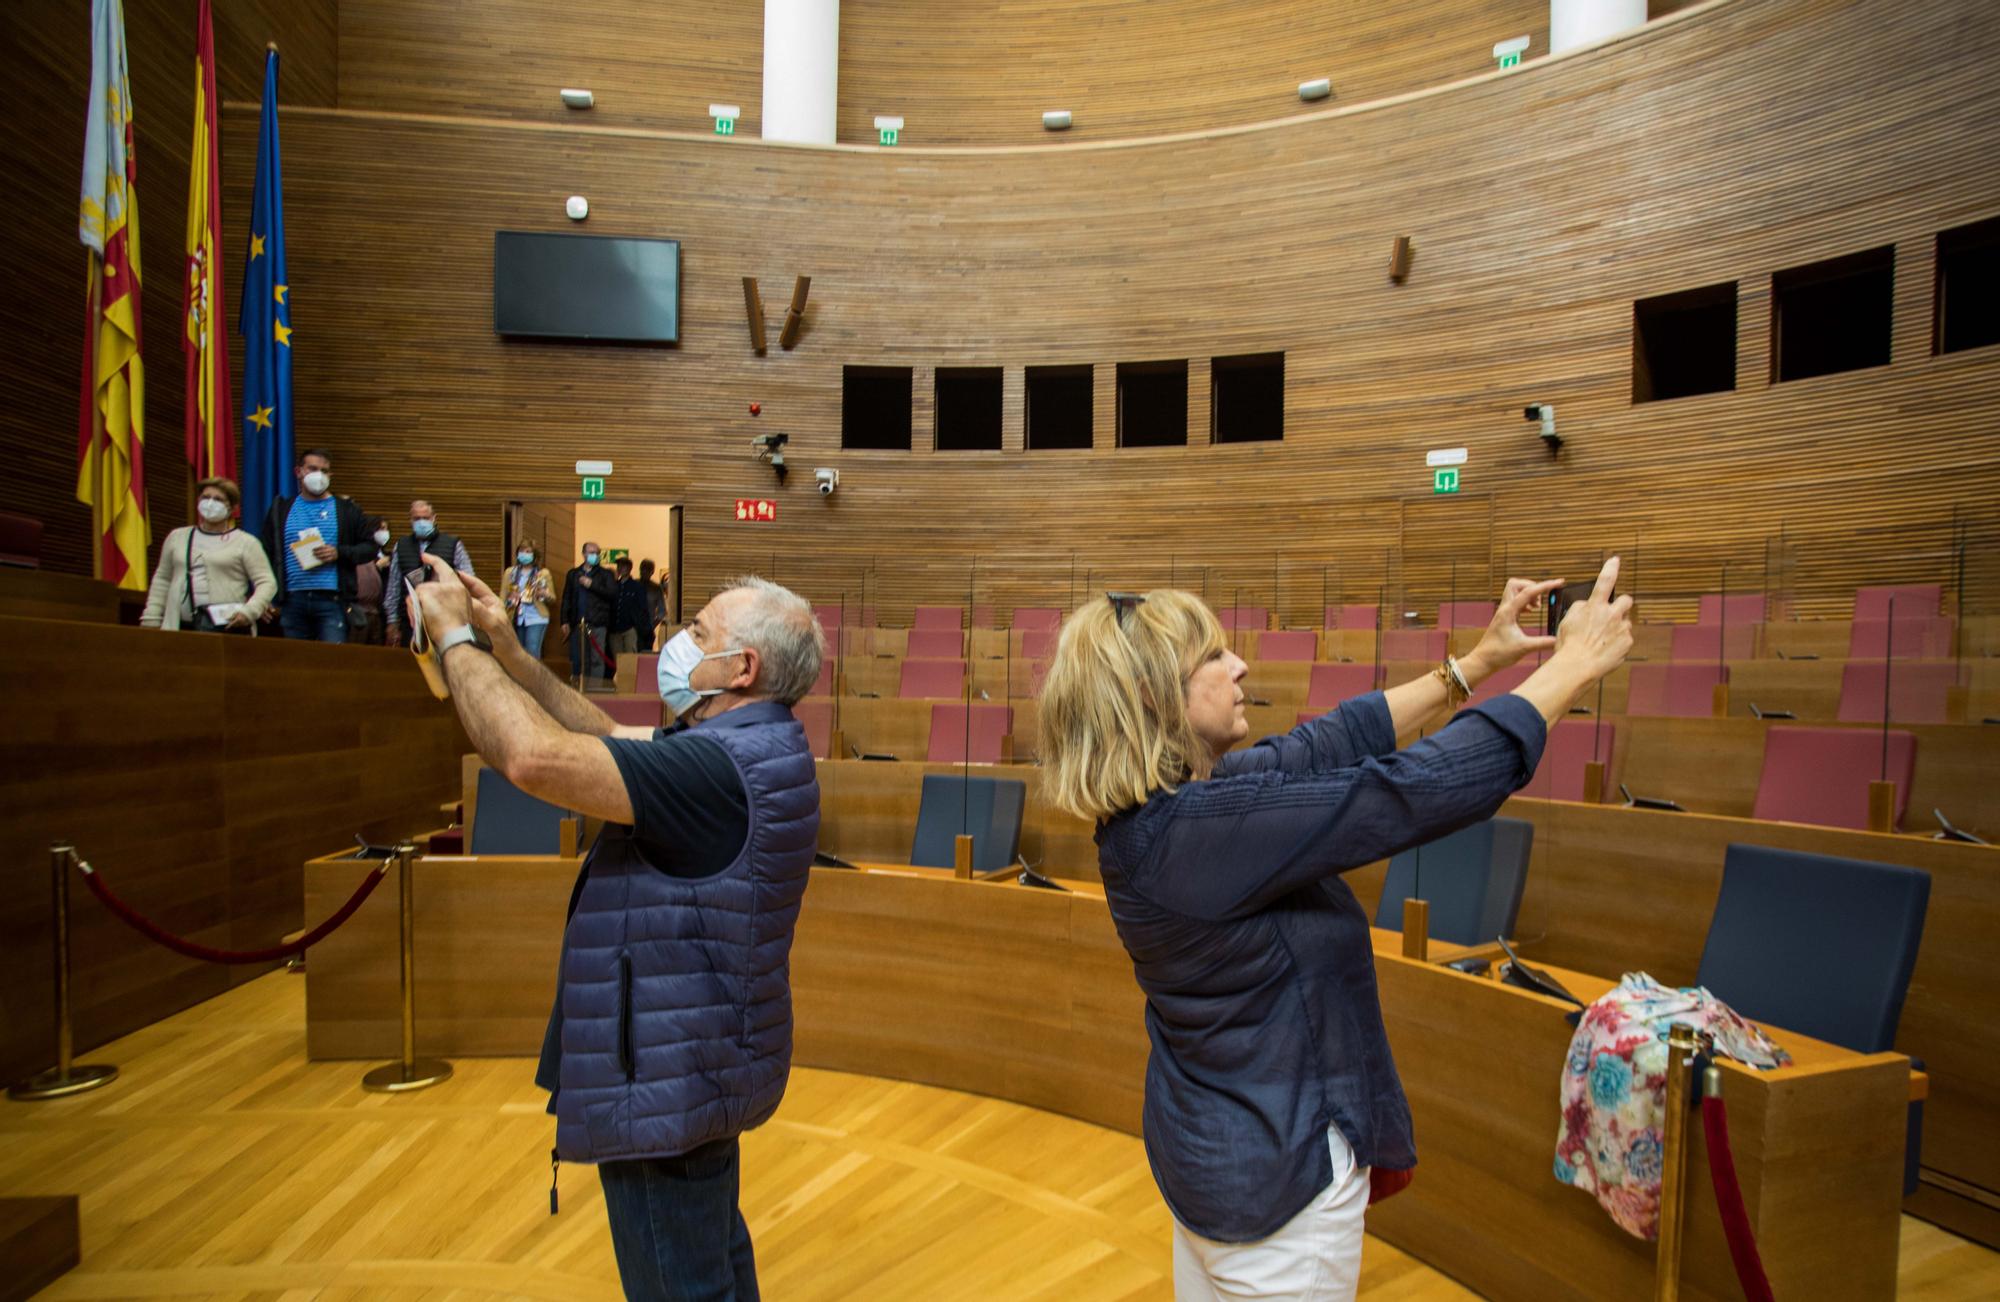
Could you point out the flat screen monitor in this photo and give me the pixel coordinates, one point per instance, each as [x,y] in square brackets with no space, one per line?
[586,287]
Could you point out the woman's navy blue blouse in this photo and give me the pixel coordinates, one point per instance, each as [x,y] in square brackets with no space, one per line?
[1256,959]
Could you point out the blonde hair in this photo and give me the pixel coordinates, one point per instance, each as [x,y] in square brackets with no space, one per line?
[1114,726]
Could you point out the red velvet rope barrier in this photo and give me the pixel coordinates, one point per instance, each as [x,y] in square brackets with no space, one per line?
[153,931]
[1729,1202]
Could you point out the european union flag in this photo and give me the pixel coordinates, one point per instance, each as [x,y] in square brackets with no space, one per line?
[266,322]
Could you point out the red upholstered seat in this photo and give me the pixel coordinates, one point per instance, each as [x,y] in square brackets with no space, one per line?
[1679,691]
[1502,681]
[1038,644]
[1287,644]
[957,737]
[1821,775]
[1041,618]
[1354,617]
[633,711]
[935,644]
[817,716]
[646,673]
[1704,641]
[951,617]
[1332,684]
[1918,691]
[829,620]
[823,685]
[1739,607]
[1572,744]
[1912,600]
[1465,614]
[933,678]
[1917,637]
[1249,618]
[1414,644]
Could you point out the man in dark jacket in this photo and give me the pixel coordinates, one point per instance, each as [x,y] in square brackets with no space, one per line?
[590,598]
[671,1032]
[314,540]
[407,562]
[631,630]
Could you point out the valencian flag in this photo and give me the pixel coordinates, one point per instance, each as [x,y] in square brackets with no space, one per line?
[267,328]
[111,437]
[211,439]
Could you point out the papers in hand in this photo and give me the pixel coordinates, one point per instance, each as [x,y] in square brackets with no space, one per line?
[224,611]
[421,645]
[302,550]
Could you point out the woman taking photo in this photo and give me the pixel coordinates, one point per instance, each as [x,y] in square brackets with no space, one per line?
[212,577]
[1272,1104]
[528,590]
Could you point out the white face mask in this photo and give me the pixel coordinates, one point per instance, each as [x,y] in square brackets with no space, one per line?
[316,482]
[381,537]
[678,659]
[213,511]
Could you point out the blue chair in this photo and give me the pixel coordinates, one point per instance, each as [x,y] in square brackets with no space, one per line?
[1819,945]
[507,820]
[989,809]
[1473,879]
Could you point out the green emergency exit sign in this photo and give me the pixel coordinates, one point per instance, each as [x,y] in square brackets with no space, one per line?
[1512,60]
[1444,479]
[889,135]
[725,126]
[593,488]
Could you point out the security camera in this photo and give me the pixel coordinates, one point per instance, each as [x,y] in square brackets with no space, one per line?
[1546,414]
[828,480]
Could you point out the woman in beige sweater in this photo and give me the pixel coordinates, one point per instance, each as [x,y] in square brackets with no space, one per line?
[211,576]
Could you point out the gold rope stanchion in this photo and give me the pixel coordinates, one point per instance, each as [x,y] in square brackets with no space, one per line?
[411,1072]
[1683,1043]
[66,1077]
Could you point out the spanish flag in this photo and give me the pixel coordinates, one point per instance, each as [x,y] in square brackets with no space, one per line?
[211,439]
[111,443]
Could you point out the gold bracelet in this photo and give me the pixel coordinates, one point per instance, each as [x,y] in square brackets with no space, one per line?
[1455,691]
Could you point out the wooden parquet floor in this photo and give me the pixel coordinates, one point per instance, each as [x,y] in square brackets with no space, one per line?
[223,1165]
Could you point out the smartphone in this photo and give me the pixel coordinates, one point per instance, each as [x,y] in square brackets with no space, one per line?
[419,639]
[1557,603]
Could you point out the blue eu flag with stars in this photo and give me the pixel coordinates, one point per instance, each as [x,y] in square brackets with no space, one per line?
[266,323]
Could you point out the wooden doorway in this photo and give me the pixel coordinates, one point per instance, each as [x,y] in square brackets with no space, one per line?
[560,527]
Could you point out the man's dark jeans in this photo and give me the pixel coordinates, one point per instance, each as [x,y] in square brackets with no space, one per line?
[676,1229]
[314,616]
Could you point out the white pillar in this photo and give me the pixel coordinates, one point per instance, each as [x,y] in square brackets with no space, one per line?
[802,70]
[1571,23]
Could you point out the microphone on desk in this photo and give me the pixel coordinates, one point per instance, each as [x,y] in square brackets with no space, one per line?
[1029,877]
[1255,700]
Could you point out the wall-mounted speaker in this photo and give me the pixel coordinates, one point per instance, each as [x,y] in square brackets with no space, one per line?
[753,309]
[795,315]
[1399,259]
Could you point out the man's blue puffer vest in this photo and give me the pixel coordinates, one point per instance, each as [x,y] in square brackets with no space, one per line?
[676,993]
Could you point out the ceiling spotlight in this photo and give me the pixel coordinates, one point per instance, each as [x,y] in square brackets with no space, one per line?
[578,99]
[1320,89]
[1056,120]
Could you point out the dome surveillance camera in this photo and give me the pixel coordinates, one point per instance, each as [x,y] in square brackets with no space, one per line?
[828,480]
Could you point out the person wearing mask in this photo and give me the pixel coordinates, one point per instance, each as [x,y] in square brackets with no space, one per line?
[590,597]
[368,584]
[1273,1112]
[671,1031]
[629,616]
[527,594]
[656,606]
[406,560]
[210,568]
[313,541]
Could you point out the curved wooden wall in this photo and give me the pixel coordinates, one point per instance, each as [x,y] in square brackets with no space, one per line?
[964,74]
[1669,160]
[1541,204]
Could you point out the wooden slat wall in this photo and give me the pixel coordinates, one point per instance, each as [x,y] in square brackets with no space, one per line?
[45,55]
[1675,160]
[199,774]
[977,74]
[1680,163]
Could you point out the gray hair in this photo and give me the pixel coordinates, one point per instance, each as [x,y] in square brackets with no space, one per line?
[779,625]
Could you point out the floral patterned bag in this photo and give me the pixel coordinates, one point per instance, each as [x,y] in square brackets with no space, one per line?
[1614,1090]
